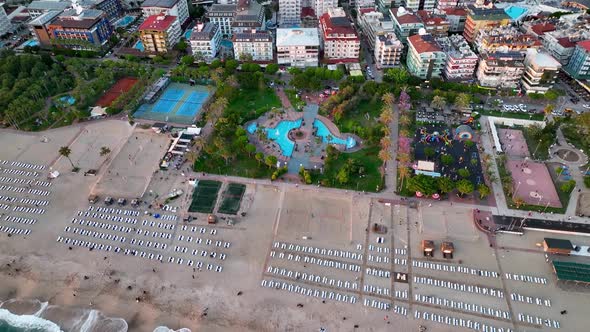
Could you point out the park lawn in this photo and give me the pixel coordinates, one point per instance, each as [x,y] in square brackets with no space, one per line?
[513,115]
[241,165]
[541,149]
[367,158]
[252,103]
[587,181]
[357,118]
[575,137]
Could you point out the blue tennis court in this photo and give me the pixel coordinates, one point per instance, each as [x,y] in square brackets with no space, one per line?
[179,103]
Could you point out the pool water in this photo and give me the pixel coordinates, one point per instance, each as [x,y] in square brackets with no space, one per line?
[187,34]
[139,46]
[31,43]
[68,99]
[124,21]
[227,44]
[328,137]
[515,12]
[252,128]
[280,133]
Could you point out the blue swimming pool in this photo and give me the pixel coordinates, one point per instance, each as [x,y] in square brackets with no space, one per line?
[31,43]
[280,133]
[139,46]
[68,100]
[328,137]
[124,21]
[187,34]
[515,12]
[252,128]
[227,44]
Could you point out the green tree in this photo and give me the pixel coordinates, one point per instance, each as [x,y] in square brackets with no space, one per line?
[181,46]
[464,173]
[423,183]
[250,149]
[445,184]
[429,152]
[447,159]
[568,186]
[65,151]
[259,156]
[271,68]
[462,101]
[464,187]
[270,161]
[399,76]
[104,151]
[438,102]
[187,60]
[483,190]
[342,176]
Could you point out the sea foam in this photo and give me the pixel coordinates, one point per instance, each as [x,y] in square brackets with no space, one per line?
[28,322]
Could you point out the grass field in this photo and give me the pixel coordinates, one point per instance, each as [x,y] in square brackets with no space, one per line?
[205,196]
[252,103]
[232,198]
[513,115]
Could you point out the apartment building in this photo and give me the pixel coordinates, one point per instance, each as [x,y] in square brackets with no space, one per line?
[249,16]
[446,4]
[540,71]
[289,12]
[461,60]
[298,47]
[223,16]
[82,29]
[579,64]
[257,44]
[205,41]
[38,8]
[308,18]
[425,58]
[538,29]
[483,18]
[435,24]
[388,51]
[374,24]
[405,23]
[500,70]
[505,39]
[416,5]
[159,33]
[176,8]
[112,8]
[5,25]
[340,40]
[321,7]
[360,4]
[456,18]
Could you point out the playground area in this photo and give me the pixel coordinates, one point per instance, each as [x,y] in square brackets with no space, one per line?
[122,86]
[450,150]
[232,198]
[179,103]
[532,183]
[205,196]
[513,143]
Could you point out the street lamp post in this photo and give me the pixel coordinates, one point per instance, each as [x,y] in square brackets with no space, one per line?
[517,186]
[537,148]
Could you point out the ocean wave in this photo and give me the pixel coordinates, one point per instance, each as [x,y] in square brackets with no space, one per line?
[56,318]
[166,329]
[28,322]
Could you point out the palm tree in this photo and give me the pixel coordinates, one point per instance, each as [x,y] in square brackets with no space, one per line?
[104,151]
[191,156]
[385,143]
[483,190]
[403,158]
[65,151]
[384,155]
[386,116]
[518,202]
[405,120]
[199,143]
[438,102]
[548,109]
[404,132]
[403,172]
[464,187]
[388,99]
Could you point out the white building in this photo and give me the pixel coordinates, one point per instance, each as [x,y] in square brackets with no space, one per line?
[340,40]
[373,24]
[388,51]
[289,12]
[322,6]
[298,47]
[223,16]
[205,40]
[416,5]
[257,44]
[359,4]
[500,70]
[38,8]
[461,60]
[425,57]
[5,26]
[540,71]
[178,8]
